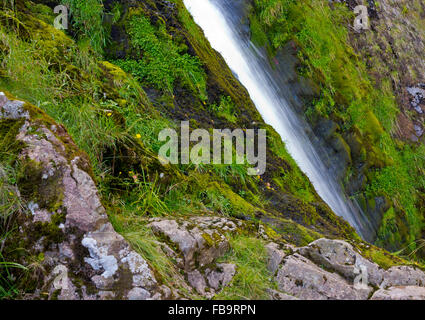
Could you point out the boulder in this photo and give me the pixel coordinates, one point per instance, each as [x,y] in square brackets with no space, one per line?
[303,279]
[339,256]
[403,276]
[400,293]
[333,269]
[222,276]
[275,255]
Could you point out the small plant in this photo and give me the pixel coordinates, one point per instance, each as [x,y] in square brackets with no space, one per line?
[146,196]
[10,207]
[405,11]
[162,63]
[225,109]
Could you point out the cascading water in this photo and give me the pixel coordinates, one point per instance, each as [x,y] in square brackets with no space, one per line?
[221,22]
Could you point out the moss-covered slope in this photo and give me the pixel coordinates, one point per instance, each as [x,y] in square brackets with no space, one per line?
[363,101]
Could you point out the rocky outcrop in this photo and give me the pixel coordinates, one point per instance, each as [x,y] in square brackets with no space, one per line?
[340,257]
[82,256]
[390,52]
[333,269]
[197,242]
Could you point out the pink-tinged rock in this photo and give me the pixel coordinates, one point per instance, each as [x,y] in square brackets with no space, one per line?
[88,251]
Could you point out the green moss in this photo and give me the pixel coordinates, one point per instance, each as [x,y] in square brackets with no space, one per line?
[117,74]
[293,232]
[381,257]
[46,193]
[287,176]
[213,240]
[350,96]
[270,233]
[238,206]
[55,295]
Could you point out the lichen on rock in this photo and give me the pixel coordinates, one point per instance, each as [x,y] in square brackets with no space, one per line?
[97,262]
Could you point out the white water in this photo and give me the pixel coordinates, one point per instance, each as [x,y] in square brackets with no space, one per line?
[251,70]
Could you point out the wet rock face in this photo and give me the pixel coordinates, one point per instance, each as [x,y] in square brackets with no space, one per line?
[12,109]
[332,269]
[394,48]
[84,257]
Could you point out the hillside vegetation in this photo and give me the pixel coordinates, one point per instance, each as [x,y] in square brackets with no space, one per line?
[126,69]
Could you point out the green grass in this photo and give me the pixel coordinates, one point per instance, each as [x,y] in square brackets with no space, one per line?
[10,207]
[87,21]
[252,277]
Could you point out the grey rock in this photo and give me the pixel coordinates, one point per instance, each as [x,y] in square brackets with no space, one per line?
[201,240]
[197,281]
[166,292]
[138,294]
[275,256]
[403,276]
[303,279]
[103,283]
[339,256]
[400,293]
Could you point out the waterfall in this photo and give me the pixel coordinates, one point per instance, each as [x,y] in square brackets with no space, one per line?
[221,23]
